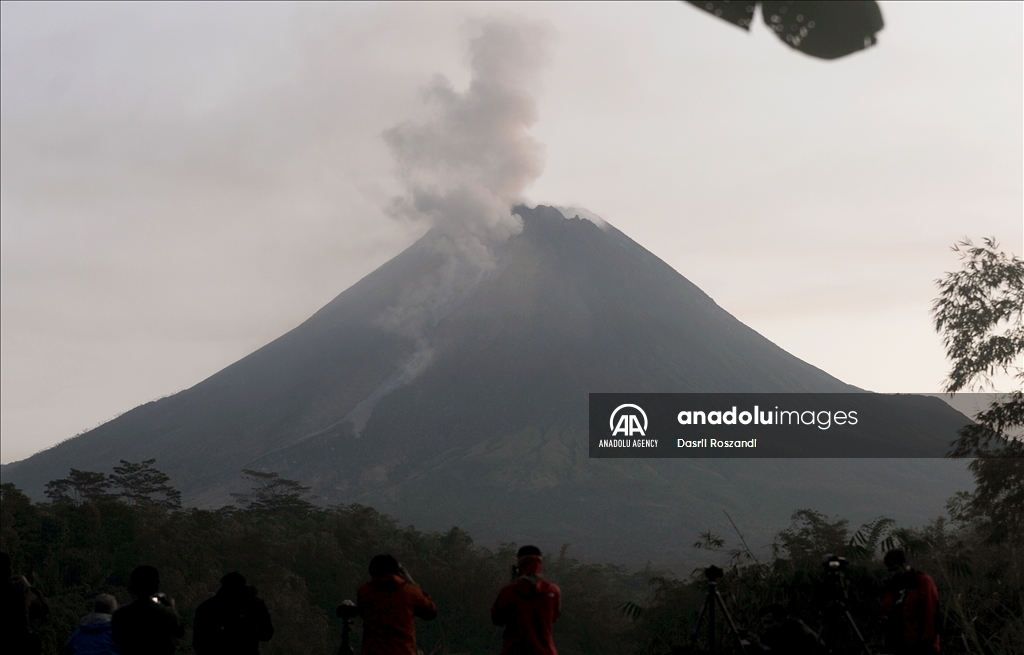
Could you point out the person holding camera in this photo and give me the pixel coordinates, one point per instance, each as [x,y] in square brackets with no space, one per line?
[910,607]
[233,622]
[528,608]
[150,624]
[389,604]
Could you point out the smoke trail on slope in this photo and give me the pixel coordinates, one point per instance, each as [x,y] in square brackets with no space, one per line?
[463,171]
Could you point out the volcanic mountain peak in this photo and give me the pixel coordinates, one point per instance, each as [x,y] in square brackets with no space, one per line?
[432,352]
[440,383]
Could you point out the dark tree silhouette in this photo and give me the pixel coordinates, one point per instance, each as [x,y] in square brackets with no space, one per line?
[980,315]
[271,492]
[142,485]
[79,487]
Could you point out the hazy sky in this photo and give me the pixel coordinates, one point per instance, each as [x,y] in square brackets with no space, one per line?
[182,183]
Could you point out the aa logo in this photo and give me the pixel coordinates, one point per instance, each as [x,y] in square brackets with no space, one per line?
[629,421]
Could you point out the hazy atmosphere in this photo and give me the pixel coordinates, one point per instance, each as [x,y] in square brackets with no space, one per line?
[183,183]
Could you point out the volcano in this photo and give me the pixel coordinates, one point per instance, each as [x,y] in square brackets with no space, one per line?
[474,411]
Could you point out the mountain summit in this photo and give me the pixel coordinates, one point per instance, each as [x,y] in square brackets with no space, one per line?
[450,395]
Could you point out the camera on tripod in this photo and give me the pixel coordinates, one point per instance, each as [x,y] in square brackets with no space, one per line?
[713,574]
[835,573]
[347,610]
[838,591]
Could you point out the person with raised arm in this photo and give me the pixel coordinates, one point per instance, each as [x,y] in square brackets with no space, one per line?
[528,608]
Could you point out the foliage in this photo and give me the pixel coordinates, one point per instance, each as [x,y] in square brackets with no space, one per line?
[982,600]
[79,487]
[142,485]
[826,30]
[980,314]
[270,492]
[303,560]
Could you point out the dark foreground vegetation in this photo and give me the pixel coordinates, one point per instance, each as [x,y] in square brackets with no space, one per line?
[304,560]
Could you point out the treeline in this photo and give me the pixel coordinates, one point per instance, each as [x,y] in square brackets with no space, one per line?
[305,560]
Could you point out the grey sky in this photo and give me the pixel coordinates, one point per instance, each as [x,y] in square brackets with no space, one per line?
[182,183]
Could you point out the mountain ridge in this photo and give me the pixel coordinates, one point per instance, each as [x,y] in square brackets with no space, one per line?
[567,307]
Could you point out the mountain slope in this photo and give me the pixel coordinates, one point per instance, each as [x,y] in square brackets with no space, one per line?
[481,397]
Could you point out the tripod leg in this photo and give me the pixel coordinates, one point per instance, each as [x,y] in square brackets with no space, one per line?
[712,642]
[732,626]
[856,631]
[700,618]
[820,641]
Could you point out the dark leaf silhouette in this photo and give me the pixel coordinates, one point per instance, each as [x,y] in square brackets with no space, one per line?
[824,29]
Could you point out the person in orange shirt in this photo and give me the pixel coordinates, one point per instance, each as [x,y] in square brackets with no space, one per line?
[389,604]
[528,608]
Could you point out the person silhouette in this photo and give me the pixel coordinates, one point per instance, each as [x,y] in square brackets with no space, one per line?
[389,604]
[94,634]
[149,624]
[233,622]
[528,608]
[21,603]
[910,607]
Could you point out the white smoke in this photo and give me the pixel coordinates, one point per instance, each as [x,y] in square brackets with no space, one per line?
[463,171]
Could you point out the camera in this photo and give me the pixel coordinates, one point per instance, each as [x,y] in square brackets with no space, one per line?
[347,610]
[833,563]
[160,599]
[713,573]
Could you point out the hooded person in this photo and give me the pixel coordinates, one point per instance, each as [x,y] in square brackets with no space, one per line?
[389,605]
[528,608]
[233,622]
[94,634]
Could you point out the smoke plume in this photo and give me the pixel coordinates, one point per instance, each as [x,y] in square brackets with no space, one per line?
[463,171]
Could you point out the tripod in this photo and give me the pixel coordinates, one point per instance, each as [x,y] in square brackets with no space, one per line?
[347,613]
[853,625]
[834,567]
[713,598]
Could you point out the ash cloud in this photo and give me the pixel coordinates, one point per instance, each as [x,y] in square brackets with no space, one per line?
[463,170]
[466,168]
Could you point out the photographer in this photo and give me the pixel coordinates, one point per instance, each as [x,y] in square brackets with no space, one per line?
[233,622]
[910,606]
[528,608]
[389,604]
[150,624]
